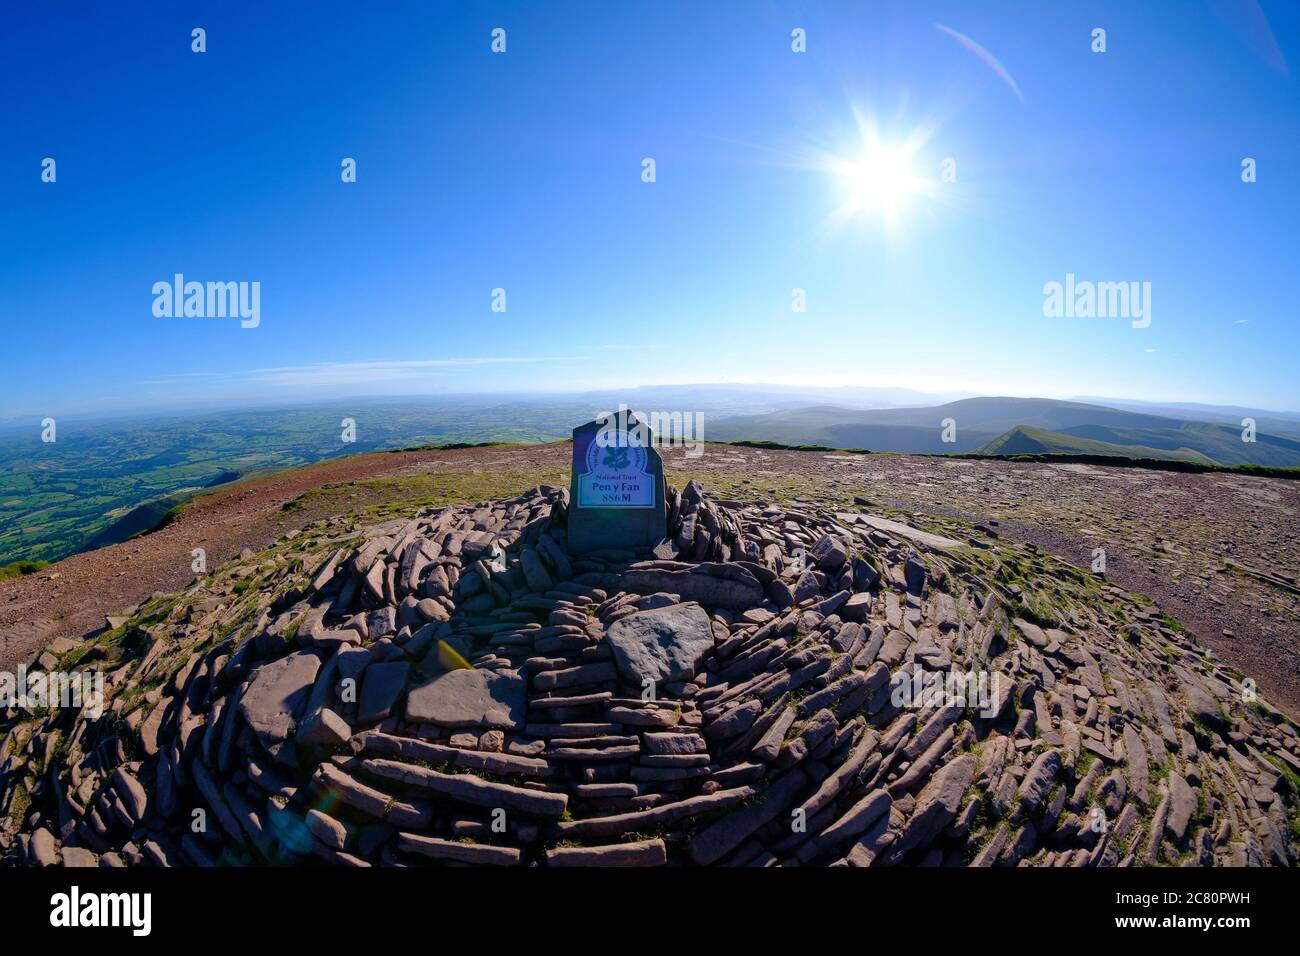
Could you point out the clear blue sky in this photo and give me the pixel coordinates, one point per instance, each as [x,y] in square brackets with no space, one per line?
[523,171]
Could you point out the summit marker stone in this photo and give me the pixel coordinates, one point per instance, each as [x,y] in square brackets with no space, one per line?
[616,495]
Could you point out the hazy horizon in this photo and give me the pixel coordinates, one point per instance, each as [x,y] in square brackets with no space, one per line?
[796,396]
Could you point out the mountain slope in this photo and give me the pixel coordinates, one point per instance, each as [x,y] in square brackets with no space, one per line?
[1024,440]
[1221,443]
[990,414]
[904,439]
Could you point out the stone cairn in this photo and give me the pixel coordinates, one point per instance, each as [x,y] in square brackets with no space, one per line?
[457,688]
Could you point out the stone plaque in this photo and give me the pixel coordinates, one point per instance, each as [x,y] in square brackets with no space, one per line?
[616,496]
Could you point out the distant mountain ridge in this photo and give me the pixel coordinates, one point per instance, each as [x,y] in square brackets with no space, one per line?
[1006,425]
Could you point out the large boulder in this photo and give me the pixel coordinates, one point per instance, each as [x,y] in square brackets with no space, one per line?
[469,697]
[937,804]
[662,645]
[829,553]
[1202,705]
[276,695]
[1182,806]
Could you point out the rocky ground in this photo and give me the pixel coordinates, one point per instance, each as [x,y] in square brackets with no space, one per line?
[1219,553]
[450,686]
[1190,543]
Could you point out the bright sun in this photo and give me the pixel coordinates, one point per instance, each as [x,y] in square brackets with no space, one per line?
[877,183]
[881,181]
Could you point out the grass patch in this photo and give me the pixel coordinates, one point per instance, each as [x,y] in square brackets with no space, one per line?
[16,569]
[1172,624]
[380,497]
[19,805]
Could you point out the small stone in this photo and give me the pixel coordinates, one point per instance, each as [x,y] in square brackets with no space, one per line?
[42,848]
[1031,633]
[324,728]
[75,856]
[857,607]
[535,573]
[331,832]
[1182,806]
[132,793]
[806,588]
[937,804]
[829,553]
[1039,780]
[914,573]
[431,610]
[735,722]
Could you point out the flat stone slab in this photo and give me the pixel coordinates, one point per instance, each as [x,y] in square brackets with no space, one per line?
[713,585]
[936,542]
[471,853]
[276,695]
[662,645]
[380,688]
[469,697]
[642,853]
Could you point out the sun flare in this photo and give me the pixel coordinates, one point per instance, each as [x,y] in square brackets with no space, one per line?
[880,180]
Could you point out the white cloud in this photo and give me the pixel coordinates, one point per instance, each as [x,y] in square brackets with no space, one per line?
[355,373]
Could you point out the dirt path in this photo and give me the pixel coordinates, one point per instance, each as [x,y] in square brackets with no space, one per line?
[1167,535]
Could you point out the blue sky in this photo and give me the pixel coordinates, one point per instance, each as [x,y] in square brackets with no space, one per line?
[523,170]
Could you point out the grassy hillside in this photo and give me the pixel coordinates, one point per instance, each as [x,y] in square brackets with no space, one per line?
[1222,443]
[918,430]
